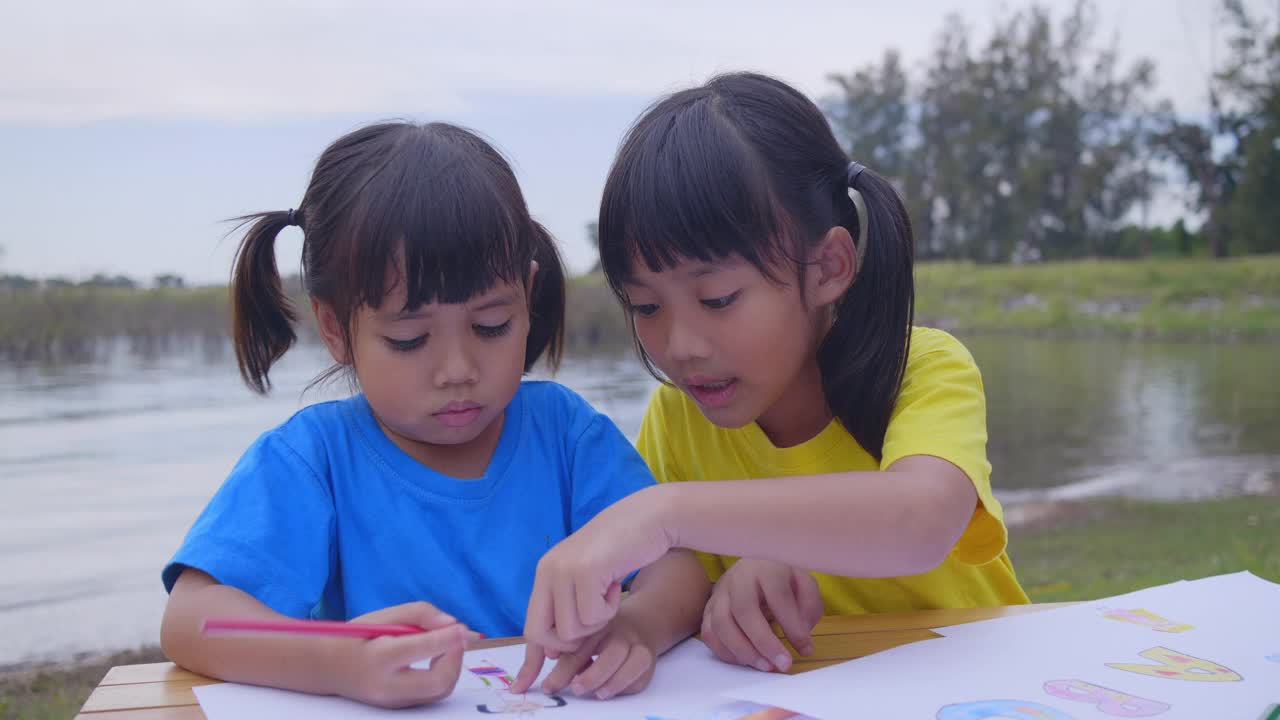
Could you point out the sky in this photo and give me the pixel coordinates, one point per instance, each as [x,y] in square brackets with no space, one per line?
[131,130]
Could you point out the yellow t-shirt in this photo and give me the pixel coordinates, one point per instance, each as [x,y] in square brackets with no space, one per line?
[941,411]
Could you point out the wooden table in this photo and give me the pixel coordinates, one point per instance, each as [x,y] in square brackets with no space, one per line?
[162,691]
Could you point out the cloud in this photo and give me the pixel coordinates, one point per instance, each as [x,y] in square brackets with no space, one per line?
[274,60]
[250,61]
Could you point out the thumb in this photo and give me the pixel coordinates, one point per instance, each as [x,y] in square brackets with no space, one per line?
[423,614]
[408,649]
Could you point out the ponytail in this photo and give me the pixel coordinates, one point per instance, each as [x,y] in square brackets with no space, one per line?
[546,303]
[262,314]
[864,355]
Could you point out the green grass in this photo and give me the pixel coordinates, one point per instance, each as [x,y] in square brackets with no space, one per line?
[1110,547]
[56,692]
[72,324]
[1201,299]
[1196,299]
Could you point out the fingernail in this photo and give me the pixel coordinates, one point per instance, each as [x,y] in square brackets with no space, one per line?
[782,662]
[446,619]
[762,665]
[603,695]
[806,651]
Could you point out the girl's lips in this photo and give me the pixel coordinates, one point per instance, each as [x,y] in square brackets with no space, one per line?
[458,414]
[713,394]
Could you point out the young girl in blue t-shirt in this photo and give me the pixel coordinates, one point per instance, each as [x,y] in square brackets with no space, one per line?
[429,497]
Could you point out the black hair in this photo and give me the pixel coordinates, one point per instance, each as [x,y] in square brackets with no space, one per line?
[433,201]
[747,166]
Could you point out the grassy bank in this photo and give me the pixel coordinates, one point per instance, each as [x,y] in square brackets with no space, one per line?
[1083,551]
[76,324]
[1107,547]
[1197,299]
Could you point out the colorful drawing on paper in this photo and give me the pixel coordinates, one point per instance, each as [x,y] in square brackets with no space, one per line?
[1179,666]
[485,672]
[1003,709]
[504,701]
[1105,700]
[1146,618]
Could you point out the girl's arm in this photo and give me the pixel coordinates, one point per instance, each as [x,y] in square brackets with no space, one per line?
[899,521]
[373,671]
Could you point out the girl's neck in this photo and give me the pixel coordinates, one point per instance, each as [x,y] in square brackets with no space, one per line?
[467,460]
[800,413]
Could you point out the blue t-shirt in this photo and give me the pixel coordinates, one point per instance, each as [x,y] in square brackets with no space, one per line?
[325,517]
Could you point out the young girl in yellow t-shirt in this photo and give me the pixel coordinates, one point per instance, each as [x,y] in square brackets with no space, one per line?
[778,310]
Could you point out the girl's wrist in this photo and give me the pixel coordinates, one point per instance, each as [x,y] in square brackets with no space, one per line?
[662,502]
[336,659]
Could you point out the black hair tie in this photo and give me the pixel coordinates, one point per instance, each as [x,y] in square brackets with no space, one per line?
[852,173]
[295,218]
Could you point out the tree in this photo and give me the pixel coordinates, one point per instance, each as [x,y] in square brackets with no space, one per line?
[593,235]
[169,280]
[1231,158]
[1032,145]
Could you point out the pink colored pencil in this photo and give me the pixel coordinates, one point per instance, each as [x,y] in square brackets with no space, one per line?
[336,628]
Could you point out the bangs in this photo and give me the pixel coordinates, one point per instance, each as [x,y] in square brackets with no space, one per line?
[440,215]
[687,187]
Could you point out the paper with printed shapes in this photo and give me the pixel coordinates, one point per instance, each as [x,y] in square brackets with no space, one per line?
[1197,649]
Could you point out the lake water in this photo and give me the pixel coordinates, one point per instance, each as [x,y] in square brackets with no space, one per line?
[103,467]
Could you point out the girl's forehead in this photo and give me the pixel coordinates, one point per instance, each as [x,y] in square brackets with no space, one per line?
[690,269]
[396,301]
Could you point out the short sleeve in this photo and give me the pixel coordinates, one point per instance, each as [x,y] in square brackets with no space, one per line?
[942,412]
[606,468]
[269,531]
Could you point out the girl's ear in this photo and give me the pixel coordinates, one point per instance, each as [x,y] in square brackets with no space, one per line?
[331,332]
[833,264]
[533,274]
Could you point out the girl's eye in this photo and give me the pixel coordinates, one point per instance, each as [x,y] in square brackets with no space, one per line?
[644,309]
[721,302]
[491,331]
[406,345]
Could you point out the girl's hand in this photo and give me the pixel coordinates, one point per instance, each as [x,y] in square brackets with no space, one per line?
[735,623]
[623,664]
[377,671]
[578,585]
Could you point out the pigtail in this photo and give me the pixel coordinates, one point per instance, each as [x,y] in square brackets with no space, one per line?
[546,303]
[261,313]
[864,355]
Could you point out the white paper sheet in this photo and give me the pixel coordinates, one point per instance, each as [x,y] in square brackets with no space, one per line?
[1076,664]
[688,680]
[1243,590]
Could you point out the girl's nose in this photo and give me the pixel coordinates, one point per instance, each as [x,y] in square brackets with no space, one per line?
[457,367]
[685,341]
